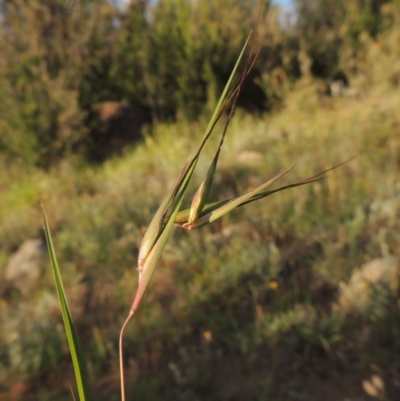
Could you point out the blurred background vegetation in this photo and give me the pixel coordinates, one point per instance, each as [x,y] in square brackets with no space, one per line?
[293,297]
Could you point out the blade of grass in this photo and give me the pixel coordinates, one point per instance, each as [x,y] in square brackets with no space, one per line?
[183,216]
[76,355]
[213,211]
[225,95]
[200,198]
[216,214]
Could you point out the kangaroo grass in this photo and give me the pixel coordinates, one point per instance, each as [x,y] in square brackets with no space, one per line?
[200,212]
[155,238]
[157,234]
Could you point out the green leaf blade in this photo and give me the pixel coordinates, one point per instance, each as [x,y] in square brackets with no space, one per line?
[224,94]
[233,204]
[76,355]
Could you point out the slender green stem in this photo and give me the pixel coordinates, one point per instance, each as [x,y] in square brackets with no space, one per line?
[121,355]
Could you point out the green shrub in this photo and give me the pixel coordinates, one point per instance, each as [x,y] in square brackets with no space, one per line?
[45,46]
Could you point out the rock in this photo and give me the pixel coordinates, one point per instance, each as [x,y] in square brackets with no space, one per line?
[337,87]
[26,266]
[377,278]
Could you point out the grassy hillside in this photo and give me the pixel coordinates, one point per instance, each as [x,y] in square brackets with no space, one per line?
[292,297]
[260,305]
